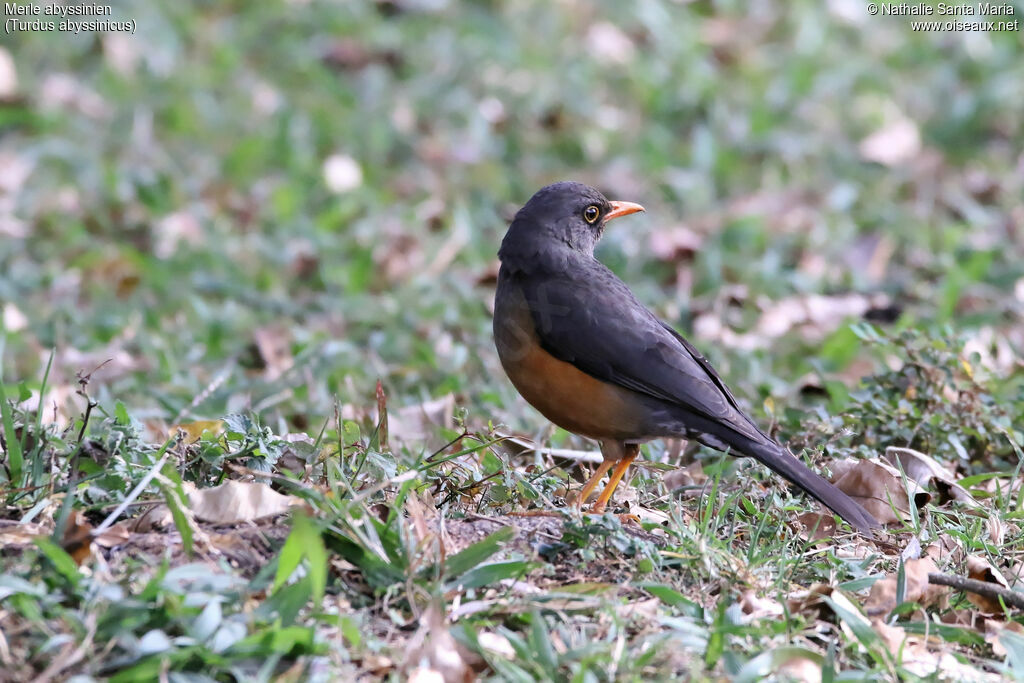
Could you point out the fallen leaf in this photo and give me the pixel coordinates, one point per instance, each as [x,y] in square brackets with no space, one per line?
[800,669]
[65,92]
[675,244]
[156,518]
[175,229]
[122,52]
[755,607]
[378,665]
[639,611]
[893,636]
[882,598]
[691,475]
[946,549]
[77,540]
[810,602]
[496,644]
[273,346]
[433,650]
[608,44]
[994,629]
[817,525]
[194,430]
[980,569]
[893,144]
[13,319]
[342,173]
[115,535]
[8,76]
[822,314]
[423,674]
[930,474]
[17,535]
[239,501]
[419,424]
[913,653]
[879,488]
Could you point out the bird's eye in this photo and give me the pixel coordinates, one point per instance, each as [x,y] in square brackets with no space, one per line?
[591,214]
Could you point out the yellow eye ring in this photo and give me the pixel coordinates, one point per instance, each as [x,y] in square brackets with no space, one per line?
[591,214]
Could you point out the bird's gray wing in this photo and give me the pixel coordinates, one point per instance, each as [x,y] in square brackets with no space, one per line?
[588,317]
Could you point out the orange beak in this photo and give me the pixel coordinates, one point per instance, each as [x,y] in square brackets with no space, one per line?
[622,209]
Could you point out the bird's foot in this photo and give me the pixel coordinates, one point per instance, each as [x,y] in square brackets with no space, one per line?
[627,518]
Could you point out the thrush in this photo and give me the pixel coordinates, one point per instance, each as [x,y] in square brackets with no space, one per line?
[580,348]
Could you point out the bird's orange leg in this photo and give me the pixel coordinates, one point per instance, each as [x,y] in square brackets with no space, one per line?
[613,481]
[591,484]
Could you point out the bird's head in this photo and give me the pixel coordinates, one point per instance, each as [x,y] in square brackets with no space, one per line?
[565,213]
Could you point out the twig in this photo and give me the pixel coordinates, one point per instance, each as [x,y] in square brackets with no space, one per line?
[70,656]
[135,492]
[569,454]
[989,590]
[507,522]
[204,394]
[382,417]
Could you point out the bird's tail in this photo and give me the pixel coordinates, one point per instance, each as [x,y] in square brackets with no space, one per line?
[781,462]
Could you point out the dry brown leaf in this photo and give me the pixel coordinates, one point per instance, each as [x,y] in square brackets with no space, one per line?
[675,244]
[814,316]
[423,674]
[419,423]
[608,44]
[893,636]
[342,173]
[378,665]
[419,511]
[799,669]
[77,541]
[115,535]
[882,598]
[820,313]
[810,601]
[14,535]
[432,649]
[996,529]
[496,644]
[194,430]
[156,518]
[816,525]
[400,256]
[912,652]
[271,350]
[980,569]
[239,501]
[1015,572]
[878,487]
[755,607]
[994,627]
[946,550]
[181,227]
[8,76]
[691,475]
[893,144]
[639,611]
[930,474]
[13,319]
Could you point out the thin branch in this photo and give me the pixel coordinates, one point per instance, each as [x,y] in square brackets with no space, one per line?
[989,590]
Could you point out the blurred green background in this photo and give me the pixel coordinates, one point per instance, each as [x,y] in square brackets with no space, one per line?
[268,205]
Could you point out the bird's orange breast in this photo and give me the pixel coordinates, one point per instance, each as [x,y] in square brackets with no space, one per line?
[569,397]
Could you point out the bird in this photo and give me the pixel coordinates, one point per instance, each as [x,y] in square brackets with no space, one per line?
[587,354]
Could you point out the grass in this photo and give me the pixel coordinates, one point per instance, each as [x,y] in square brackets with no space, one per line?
[190,295]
